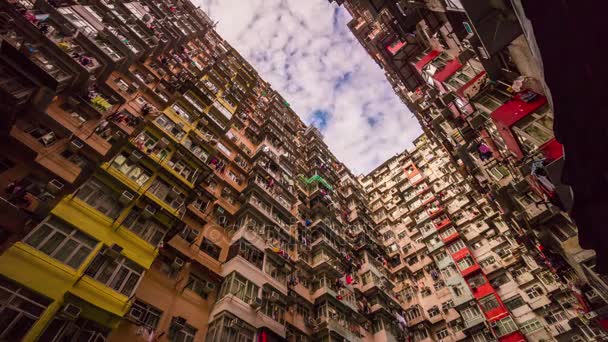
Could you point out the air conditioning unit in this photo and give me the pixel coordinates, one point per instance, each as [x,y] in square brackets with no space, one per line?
[209,287]
[112,252]
[70,311]
[126,197]
[178,263]
[257,303]
[54,186]
[135,156]
[75,145]
[149,211]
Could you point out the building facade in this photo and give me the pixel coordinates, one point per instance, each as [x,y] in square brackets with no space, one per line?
[472,74]
[156,188]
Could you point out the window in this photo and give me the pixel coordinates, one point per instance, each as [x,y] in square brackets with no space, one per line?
[210,248]
[476,281]
[434,311]
[505,326]
[61,241]
[20,308]
[145,314]
[76,20]
[62,329]
[274,308]
[199,286]
[563,231]
[168,194]
[500,280]
[100,197]
[514,303]
[530,326]
[457,290]
[546,277]
[465,263]
[120,274]
[456,246]
[441,334]
[499,172]
[235,284]
[487,261]
[420,335]
[129,168]
[148,229]
[489,303]
[480,337]
[469,313]
[182,112]
[534,291]
[535,129]
[247,251]
[181,331]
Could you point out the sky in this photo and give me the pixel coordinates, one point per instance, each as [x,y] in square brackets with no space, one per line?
[308,54]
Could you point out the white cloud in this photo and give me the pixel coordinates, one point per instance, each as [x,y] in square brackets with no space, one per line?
[305,50]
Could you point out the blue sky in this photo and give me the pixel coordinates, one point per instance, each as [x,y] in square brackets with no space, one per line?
[305,50]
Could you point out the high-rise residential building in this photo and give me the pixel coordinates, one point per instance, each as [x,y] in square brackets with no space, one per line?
[156,188]
[472,73]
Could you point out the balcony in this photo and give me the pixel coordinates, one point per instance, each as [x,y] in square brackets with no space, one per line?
[348,333]
[246,313]
[559,328]
[468,324]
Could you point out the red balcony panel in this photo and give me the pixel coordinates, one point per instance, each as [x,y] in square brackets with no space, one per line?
[552,150]
[515,336]
[443,224]
[482,291]
[460,254]
[500,311]
[395,46]
[447,71]
[451,238]
[472,269]
[473,87]
[435,213]
[509,114]
[426,60]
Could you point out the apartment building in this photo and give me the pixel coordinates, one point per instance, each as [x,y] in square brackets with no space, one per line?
[155,187]
[470,72]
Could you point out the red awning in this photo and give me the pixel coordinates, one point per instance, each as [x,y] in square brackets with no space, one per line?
[447,71]
[516,109]
[552,150]
[395,46]
[510,113]
[427,59]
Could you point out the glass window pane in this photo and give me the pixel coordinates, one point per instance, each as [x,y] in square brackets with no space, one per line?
[51,244]
[64,252]
[77,259]
[36,237]
[119,278]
